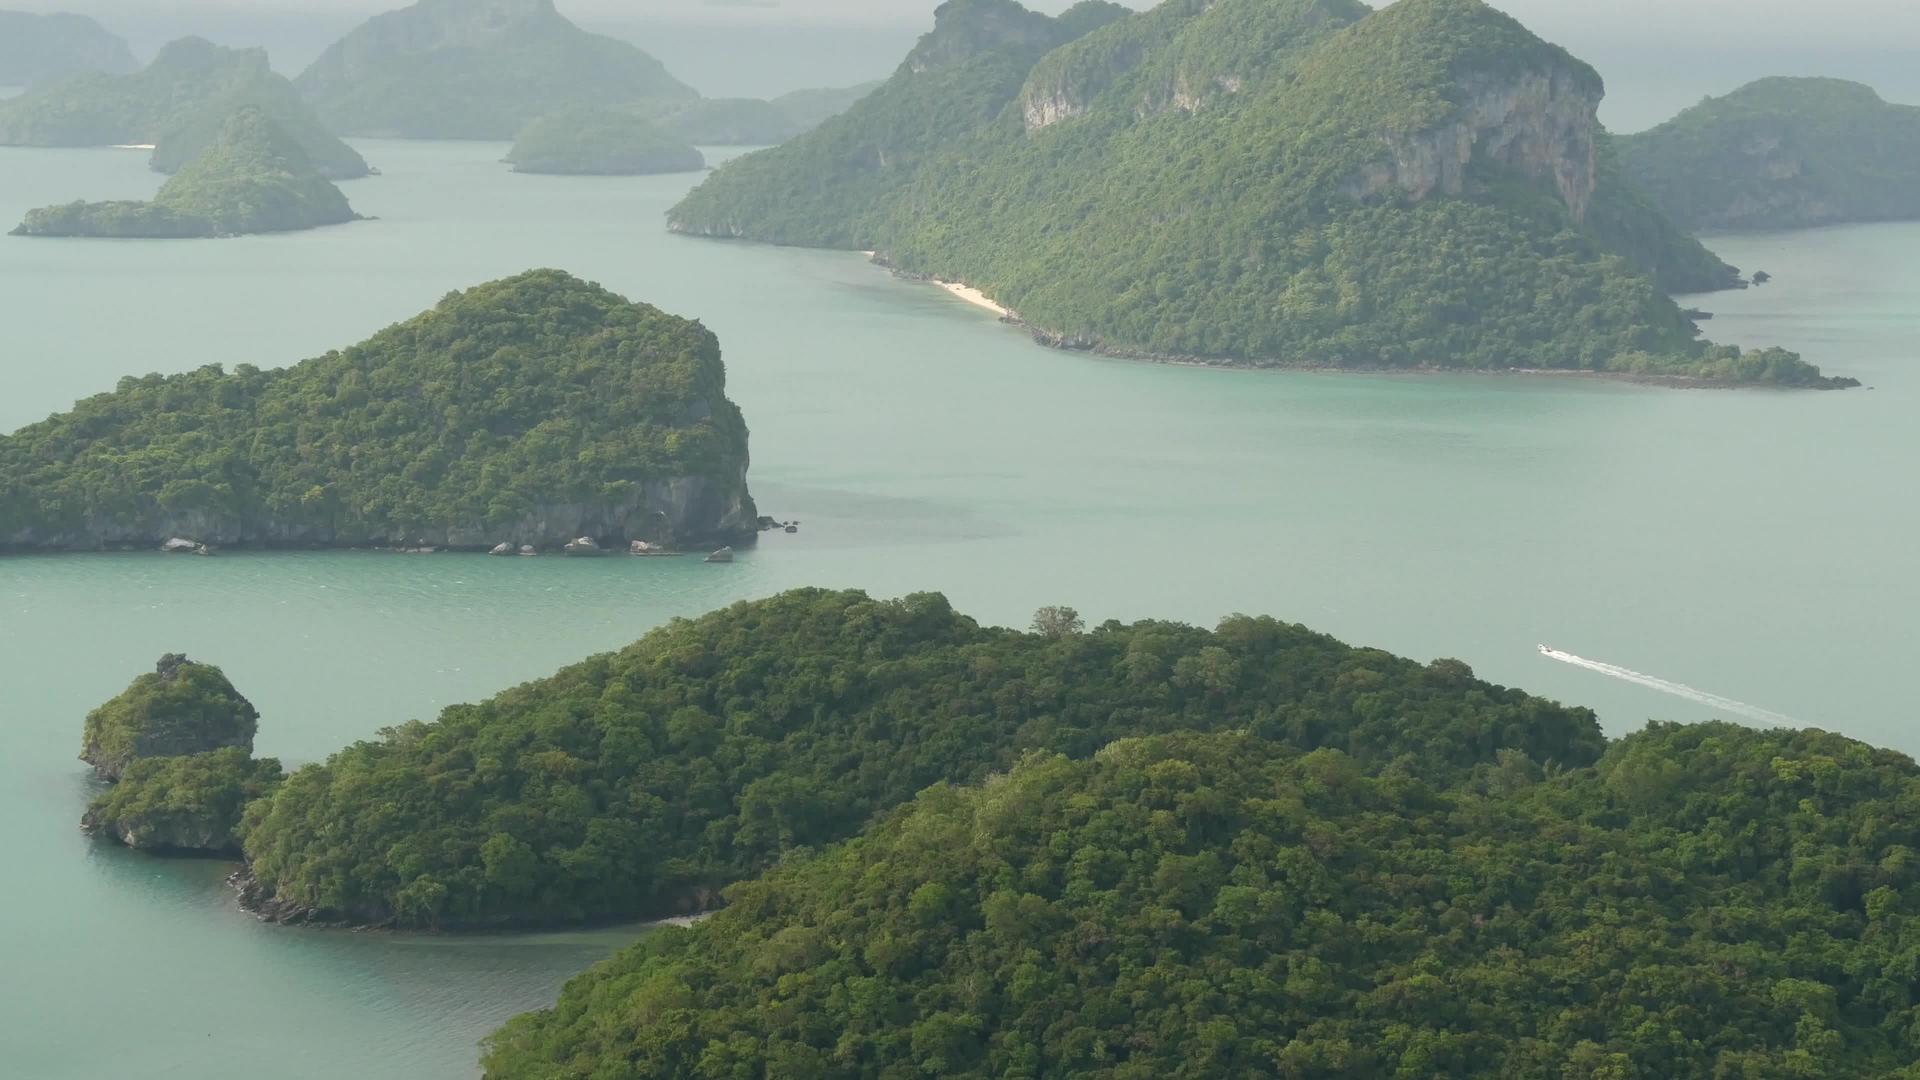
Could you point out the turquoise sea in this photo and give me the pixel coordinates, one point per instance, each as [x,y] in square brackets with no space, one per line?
[1755,545]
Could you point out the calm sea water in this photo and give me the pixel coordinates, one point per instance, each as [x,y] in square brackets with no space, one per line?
[1757,545]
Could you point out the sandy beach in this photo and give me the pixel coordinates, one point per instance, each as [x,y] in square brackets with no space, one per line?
[973,296]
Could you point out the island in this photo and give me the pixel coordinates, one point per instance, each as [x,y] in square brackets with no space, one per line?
[1782,153]
[177,105]
[37,48]
[641,783]
[475,69]
[601,142]
[1703,900]
[254,178]
[179,708]
[534,410]
[177,746]
[1280,183]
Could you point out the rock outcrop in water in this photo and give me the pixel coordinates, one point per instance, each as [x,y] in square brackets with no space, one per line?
[533,411]
[1782,153]
[180,708]
[1260,182]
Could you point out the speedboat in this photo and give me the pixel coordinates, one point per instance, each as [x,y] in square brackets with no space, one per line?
[1544,650]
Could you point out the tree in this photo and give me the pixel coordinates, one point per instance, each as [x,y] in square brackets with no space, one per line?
[1054,621]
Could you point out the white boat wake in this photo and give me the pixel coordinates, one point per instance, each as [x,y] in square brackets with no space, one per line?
[1665,686]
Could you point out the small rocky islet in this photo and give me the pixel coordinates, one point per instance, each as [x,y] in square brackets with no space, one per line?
[177,749]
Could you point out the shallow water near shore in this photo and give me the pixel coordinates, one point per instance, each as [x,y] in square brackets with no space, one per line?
[1754,544]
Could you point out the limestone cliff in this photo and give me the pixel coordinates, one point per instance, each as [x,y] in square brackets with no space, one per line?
[1543,123]
[1180,54]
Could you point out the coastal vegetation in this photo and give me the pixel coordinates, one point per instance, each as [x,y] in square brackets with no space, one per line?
[35,48]
[475,69]
[1782,153]
[186,804]
[639,783]
[177,104]
[179,708]
[603,142]
[532,410]
[1700,901]
[1262,182]
[253,178]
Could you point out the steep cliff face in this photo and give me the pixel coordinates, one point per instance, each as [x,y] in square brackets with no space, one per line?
[1180,54]
[1542,123]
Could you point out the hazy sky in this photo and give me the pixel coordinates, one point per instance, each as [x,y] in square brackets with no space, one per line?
[1658,55]
[1717,21]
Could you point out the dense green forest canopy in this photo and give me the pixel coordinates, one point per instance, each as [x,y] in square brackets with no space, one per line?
[181,707]
[1291,182]
[638,783]
[253,178]
[474,69]
[520,410]
[178,104]
[1782,153]
[1702,901]
[601,141]
[35,48]
[186,803]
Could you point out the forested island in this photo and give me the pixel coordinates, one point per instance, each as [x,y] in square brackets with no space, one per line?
[640,783]
[177,105]
[475,69]
[35,48]
[601,142]
[1782,153]
[253,178]
[1699,901]
[947,849]
[1264,182]
[531,411]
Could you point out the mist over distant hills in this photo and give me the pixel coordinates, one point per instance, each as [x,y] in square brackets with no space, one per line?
[1651,52]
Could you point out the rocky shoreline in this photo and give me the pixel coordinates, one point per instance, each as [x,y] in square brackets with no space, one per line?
[1070,343]
[258,901]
